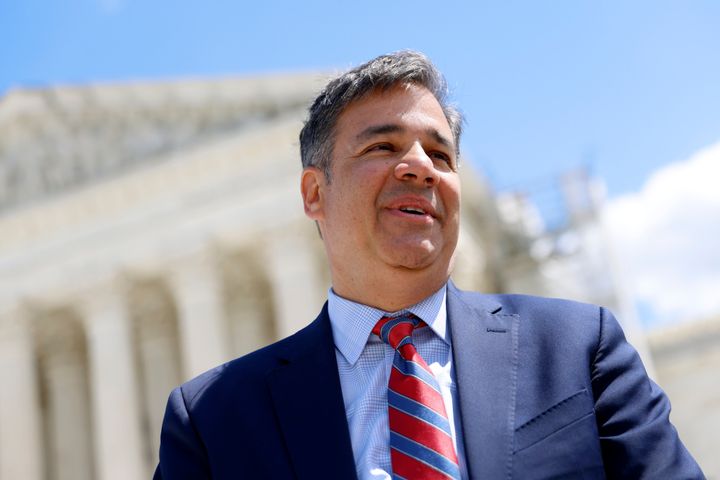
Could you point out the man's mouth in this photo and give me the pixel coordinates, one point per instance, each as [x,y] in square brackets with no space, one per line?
[412,210]
[421,209]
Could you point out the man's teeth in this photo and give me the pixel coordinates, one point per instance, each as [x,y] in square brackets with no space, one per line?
[413,210]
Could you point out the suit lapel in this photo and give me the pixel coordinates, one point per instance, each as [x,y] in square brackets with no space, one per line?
[484,344]
[308,402]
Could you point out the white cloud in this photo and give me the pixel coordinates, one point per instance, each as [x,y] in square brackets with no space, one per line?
[667,238]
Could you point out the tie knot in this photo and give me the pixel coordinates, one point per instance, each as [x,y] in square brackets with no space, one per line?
[397,331]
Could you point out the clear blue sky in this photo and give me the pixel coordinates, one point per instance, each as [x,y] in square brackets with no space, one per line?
[624,86]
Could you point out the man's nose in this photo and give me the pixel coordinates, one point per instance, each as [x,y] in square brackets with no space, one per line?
[418,167]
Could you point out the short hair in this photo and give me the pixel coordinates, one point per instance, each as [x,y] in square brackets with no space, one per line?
[317,137]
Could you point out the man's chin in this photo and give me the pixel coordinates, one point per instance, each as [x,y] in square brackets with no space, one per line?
[412,258]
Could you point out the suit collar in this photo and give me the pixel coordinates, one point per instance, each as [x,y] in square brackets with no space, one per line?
[307,397]
[489,303]
[485,342]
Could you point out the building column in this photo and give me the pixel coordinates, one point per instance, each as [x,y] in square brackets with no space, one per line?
[113,386]
[197,289]
[63,357]
[21,452]
[154,321]
[294,273]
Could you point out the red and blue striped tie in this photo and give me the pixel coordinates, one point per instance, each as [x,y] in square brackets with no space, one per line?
[421,445]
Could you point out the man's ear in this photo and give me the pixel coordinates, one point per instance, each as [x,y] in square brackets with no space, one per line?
[312,188]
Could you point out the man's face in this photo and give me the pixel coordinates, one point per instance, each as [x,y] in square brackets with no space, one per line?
[393,199]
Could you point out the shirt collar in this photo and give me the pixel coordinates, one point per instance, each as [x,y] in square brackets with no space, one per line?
[352,322]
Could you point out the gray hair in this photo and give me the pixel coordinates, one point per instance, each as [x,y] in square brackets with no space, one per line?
[317,136]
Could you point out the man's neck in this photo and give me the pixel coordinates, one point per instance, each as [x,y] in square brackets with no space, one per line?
[391,292]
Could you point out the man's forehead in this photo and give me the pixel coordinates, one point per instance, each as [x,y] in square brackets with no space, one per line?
[381,111]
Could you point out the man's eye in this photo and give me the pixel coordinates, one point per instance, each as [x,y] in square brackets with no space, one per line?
[446,159]
[380,147]
[441,156]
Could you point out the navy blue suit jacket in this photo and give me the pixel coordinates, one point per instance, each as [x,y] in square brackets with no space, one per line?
[547,389]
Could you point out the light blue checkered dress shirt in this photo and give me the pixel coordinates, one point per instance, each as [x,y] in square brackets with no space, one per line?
[364,363]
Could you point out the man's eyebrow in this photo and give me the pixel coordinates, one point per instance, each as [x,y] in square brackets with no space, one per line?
[373,130]
[440,138]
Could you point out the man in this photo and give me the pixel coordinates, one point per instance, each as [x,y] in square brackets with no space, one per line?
[403,374]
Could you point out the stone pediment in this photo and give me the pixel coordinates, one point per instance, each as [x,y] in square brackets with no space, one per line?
[58,138]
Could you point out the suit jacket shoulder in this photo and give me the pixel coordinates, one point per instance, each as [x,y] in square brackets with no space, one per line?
[577,399]
[241,374]
[258,415]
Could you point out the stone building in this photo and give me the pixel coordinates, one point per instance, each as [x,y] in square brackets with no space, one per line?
[151,231]
[687,365]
